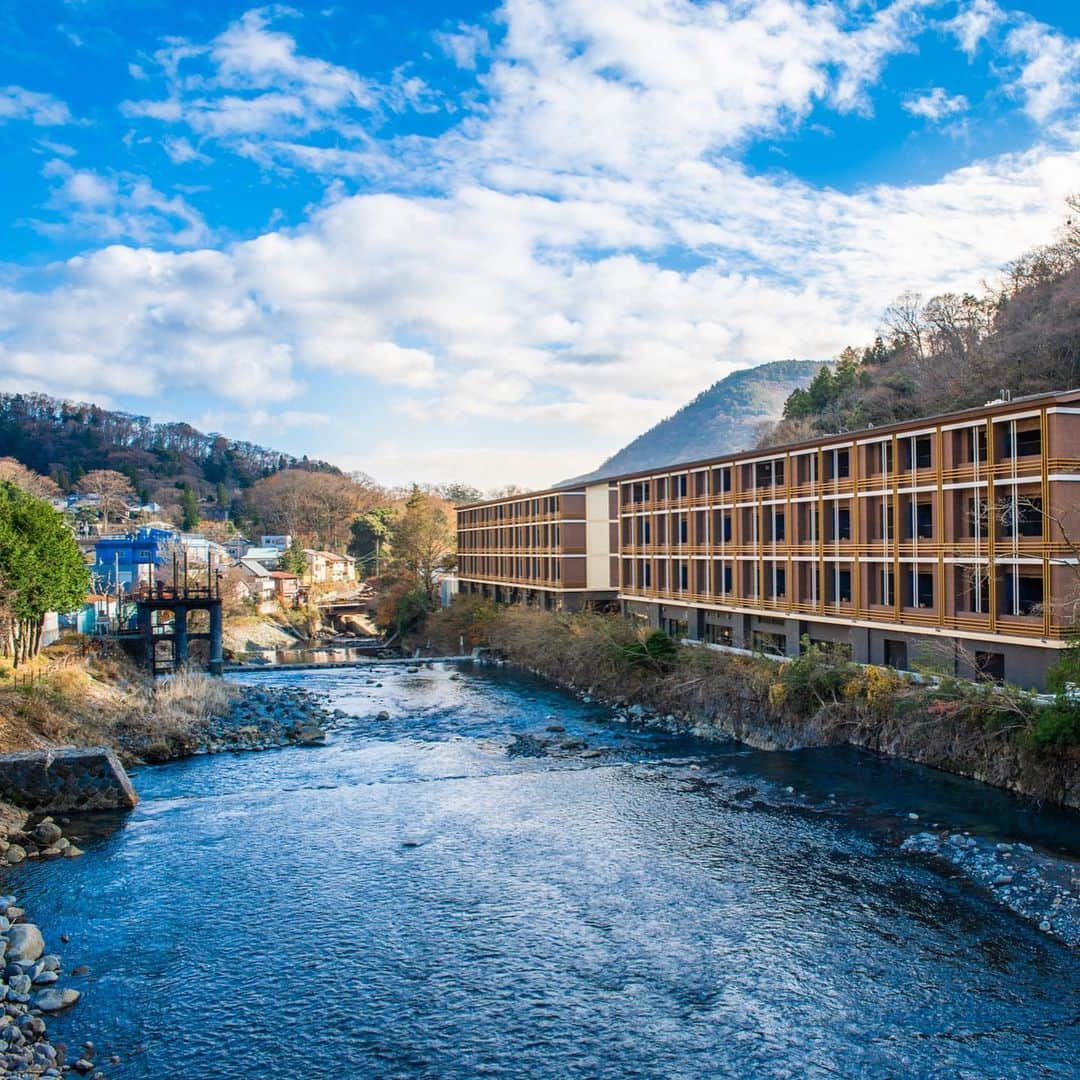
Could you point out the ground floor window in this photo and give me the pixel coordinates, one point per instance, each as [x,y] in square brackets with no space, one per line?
[677,628]
[766,642]
[896,654]
[717,635]
[990,666]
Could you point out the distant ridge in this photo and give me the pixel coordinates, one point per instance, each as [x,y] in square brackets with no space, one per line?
[720,420]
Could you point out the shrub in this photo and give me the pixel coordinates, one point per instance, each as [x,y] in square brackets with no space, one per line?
[654,649]
[1058,724]
[811,681]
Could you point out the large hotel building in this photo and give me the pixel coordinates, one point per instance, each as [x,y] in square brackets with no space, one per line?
[957,536]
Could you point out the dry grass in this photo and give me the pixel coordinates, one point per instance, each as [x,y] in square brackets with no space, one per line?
[106,700]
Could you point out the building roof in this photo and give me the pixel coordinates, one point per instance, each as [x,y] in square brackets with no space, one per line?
[263,553]
[993,407]
[569,489]
[281,575]
[256,569]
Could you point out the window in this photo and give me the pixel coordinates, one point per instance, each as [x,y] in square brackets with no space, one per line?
[976,444]
[973,589]
[677,628]
[886,530]
[990,666]
[1023,595]
[683,530]
[680,486]
[839,586]
[778,526]
[922,520]
[896,654]
[842,523]
[839,463]
[976,517]
[879,458]
[774,644]
[923,453]
[684,577]
[1029,516]
[717,635]
[1028,443]
[769,473]
[923,590]
[780,583]
[722,579]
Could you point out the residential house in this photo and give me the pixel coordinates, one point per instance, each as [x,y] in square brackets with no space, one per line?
[268,556]
[130,560]
[286,587]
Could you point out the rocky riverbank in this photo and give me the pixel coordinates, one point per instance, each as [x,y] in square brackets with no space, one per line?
[1040,888]
[266,719]
[31,989]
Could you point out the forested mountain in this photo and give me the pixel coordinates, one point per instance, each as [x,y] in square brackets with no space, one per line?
[955,351]
[725,418]
[64,440]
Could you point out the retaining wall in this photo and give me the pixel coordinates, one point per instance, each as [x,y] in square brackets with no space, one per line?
[71,779]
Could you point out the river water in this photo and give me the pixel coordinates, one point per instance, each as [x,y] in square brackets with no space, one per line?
[429,898]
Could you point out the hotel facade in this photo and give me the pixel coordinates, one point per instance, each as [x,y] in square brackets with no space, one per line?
[955,537]
[553,549]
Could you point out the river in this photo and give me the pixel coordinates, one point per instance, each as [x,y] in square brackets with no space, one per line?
[427,897]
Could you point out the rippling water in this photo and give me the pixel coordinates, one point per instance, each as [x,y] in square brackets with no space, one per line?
[418,900]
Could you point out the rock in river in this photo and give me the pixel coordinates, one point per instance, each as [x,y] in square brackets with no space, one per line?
[53,1000]
[25,943]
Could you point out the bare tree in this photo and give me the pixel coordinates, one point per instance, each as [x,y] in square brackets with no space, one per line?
[112,489]
[15,472]
[317,506]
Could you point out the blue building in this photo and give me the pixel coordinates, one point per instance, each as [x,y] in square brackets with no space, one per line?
[130,559]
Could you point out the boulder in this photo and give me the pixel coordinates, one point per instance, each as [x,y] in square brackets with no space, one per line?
[53,1000]
[14,854]
[47,832]
[25,943]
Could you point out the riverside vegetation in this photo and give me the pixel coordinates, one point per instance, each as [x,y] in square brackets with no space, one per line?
[999,734]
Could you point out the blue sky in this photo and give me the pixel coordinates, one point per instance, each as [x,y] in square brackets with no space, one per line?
[494,242]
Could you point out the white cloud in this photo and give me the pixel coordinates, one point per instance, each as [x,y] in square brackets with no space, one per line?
[251,83]
[935,105]
[181,152]
[465,45]
[1049,79]
[973,23]
[44,110]
[119,207]
[537,287]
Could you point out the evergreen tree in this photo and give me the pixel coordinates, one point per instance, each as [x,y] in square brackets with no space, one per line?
[189,509]
[41,567]
[294,561]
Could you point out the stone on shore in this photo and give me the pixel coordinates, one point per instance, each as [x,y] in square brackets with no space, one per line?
[53,1000]
[25,943]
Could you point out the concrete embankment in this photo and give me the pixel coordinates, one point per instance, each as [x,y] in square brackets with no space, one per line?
[69,779]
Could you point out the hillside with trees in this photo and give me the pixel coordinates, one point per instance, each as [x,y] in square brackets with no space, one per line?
[64,441]
[954,351]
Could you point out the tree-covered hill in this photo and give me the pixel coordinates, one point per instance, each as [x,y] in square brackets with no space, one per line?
[725,418]
[955,351]
[64,440]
